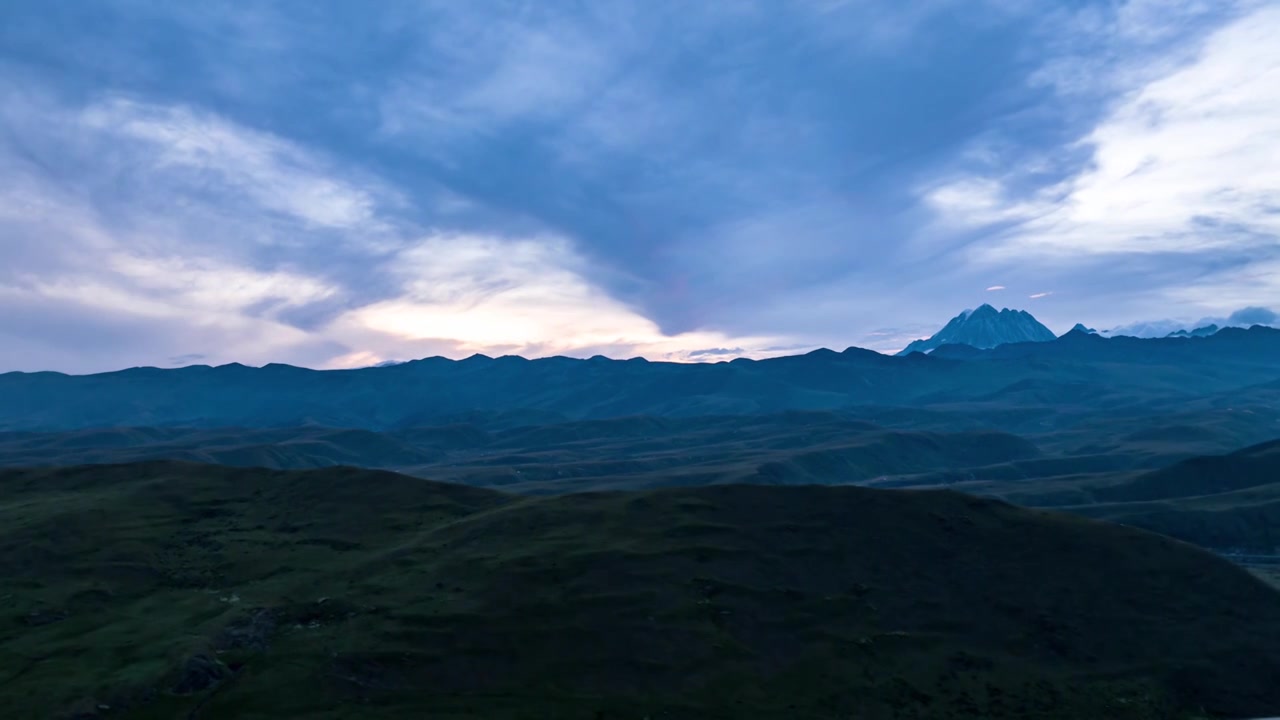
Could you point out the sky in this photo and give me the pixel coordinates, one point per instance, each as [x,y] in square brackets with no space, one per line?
[340,184]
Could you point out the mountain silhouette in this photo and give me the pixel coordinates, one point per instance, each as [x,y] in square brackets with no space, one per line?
[985,328]
[1205,331]
[511,391]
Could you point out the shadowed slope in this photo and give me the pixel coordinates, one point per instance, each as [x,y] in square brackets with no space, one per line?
[622,453]
[161,588]
[1227,502]
[1211,475]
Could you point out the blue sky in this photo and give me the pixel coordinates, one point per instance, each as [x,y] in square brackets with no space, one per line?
[336,184]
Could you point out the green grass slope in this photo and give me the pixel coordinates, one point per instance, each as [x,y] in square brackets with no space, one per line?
[1211,475]
[279,448]
[1225,502]
[622,453]
[165,590]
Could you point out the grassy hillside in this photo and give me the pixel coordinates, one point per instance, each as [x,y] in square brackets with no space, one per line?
[885,445]
[167,590]
[277,448]
[633,452]
[1249,468]
[1269,573]
[1217,501]
[1223,502]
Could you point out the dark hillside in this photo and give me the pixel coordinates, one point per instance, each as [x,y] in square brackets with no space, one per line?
[632,453]
[1228,503]
[166,590]
[1251,467]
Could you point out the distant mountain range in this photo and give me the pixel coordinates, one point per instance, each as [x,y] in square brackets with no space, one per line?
[985,328]
[1205,331]
[511,391]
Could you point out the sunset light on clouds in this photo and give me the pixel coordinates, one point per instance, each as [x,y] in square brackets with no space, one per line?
[491,182]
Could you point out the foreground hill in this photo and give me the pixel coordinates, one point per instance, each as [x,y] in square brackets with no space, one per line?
[163,590]
[1091,372]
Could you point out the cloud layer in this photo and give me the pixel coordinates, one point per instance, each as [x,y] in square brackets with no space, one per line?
[343,186]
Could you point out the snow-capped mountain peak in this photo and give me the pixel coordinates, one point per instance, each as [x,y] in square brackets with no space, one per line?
[985,327]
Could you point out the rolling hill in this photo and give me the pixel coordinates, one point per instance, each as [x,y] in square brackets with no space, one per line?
[1229,503]
[1198,477]
[159,590]
[623,453]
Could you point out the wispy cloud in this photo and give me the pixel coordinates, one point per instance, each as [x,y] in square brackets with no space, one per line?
[481,71]
[179,288]
[1185,162]
[995,288]
[1183,166]
[1198,147]
[1039,295]
[273,173]
[254,297]
[1244,317]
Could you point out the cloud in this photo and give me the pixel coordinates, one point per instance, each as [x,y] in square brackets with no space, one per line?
[242,296]
[273,173]
[892,340]
[53,333]
[717,352]
[1181,168]
[1242,318]
[1186,162]
[995,288]
[977,202]
[497,69]
[144,309]
[158,231]
[678,149]
[1253,316]
[528,296]
[1149,328]
[178,287]
[1039,295]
